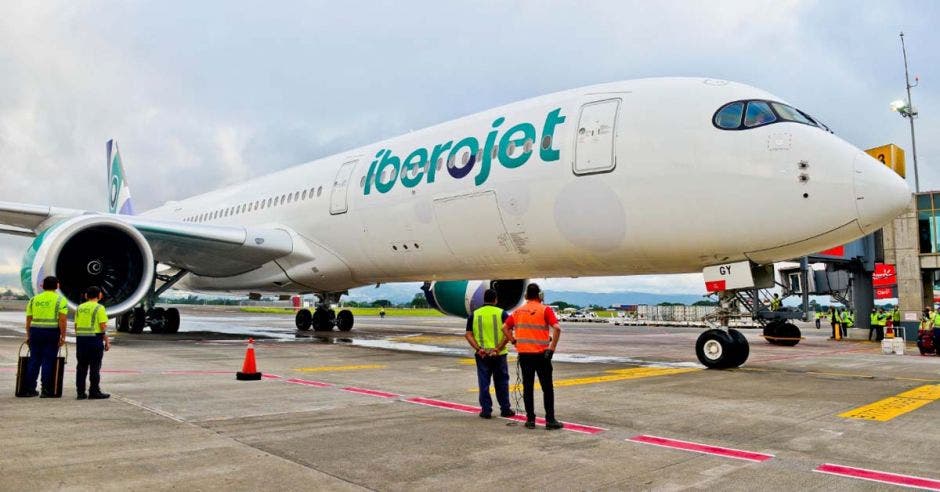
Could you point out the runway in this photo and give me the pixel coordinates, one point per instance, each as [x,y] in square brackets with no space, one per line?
[392,406]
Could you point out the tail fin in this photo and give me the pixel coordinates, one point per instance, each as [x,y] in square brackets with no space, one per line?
[119,193]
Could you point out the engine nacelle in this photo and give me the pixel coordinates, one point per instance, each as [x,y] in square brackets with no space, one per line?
[92,250]
[461,297]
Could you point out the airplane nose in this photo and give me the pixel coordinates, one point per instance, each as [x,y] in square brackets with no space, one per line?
[880,194]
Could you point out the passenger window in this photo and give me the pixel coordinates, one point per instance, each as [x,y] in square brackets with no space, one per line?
[791,114]
[319,190]
[758,113]
[297,195]
[729,117]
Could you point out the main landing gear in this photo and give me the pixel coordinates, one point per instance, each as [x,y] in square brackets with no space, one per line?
[160,320]
[323,318]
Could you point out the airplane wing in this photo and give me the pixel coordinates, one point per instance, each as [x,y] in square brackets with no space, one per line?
[207,250]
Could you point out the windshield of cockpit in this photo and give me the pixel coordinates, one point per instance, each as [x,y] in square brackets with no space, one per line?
[744,115]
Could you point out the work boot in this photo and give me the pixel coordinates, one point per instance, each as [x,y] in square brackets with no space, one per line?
[46,395]
[529,424]
[484,415]
[82,396]
[553,425]
[99,396]
[29,394]
[507,413]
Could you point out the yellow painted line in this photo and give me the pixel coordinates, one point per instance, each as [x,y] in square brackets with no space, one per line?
[894,406]
[842,374]
[614,375]
[339,368]
[430,339]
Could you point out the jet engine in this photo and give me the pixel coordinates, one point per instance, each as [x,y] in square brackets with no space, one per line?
[461,297]
[92,250]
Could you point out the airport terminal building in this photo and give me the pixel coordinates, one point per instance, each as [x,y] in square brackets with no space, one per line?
[912,244]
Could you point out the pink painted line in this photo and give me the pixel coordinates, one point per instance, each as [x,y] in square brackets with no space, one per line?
[270,376]
[121,371]
[877,476]
[364,391]
[307,382]
[194,372]
[570,426]
[584,429]
[702,448]
[444,404]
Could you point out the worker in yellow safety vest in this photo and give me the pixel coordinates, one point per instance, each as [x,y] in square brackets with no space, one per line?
[934,325]
[485,335]
[45,333]
[775,302]
[877,319]
[528,329]
[91,340]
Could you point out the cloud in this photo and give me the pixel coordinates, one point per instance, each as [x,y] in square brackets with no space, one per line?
[205,95]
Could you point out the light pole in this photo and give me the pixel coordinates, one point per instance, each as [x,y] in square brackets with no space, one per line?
[906,110]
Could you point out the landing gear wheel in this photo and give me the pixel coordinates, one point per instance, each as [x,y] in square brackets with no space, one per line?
[715,349]
[303,319]
[137,319]
[157,318]
[782,333]
[124,323]
[741,348]
[322,319]
[171,321]
[344,320]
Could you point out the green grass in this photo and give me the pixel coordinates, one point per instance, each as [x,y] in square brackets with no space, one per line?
[390,312]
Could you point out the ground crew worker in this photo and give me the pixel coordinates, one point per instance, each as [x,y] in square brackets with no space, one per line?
[91,340]
[848,321]
[528,329]
[775,302]
[896,318]
[877,319]
[485,335]
[45,333]
[935,325]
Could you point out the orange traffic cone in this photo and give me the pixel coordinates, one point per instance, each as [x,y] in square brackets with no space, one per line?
[249,371]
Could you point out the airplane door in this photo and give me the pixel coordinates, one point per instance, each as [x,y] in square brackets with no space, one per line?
[595,151]
[338,202]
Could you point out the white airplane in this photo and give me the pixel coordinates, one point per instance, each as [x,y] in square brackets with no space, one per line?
[650,176]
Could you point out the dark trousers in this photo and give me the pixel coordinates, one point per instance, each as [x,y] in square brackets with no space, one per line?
[495,369]
[43,350]
[89,352]
[531,365]
[879,332]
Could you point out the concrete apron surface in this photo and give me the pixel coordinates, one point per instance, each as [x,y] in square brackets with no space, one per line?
[337,416]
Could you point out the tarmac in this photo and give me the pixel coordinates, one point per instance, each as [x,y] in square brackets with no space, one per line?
[392,406]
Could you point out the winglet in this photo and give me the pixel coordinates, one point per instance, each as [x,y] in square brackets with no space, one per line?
[119,193]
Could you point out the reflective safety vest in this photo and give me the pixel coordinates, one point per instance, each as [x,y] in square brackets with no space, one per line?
[531,330]
[45,309]
[88,319]
[896,316]
[774,304]
[935,317]
[488,328]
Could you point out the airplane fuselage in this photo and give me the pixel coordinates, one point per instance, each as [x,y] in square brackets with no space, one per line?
[624,178]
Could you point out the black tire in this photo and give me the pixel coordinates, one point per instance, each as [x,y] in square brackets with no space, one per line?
[742,349]
[345,320]
[715,349]
[791,331]
[172,321]
[137,320]
[322,321]
[124,323]
[157,317]
[772,331]
[303,319]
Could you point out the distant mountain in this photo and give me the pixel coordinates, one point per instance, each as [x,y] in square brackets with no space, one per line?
[621,297]
[405,292]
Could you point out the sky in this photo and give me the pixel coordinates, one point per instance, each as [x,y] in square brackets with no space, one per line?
[205,94]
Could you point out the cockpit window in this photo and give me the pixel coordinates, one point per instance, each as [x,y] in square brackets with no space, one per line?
[744,115]
[758,113]
[729,117]
[791,114]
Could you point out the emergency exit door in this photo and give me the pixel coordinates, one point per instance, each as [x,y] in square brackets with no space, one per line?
[338,200]
[595,149]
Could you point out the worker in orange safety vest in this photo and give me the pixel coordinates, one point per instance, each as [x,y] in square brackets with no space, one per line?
[528,329]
